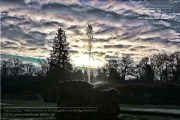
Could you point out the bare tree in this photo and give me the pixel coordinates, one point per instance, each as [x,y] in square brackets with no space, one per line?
[157,62]
[30,69]
[174,65]
[16,67]
[145,69]
[144,61]
[44,67]
[164,65]
[102,73]
[113,64]
[5,67]
[125,66]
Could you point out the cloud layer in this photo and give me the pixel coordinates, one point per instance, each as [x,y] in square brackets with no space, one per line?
[28,27]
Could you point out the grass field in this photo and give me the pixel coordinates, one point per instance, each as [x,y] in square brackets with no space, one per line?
[167,107]
[25,103]
[155,108]
[144,117]
[37,103]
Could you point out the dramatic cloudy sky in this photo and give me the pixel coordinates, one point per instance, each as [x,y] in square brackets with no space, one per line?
[28,27]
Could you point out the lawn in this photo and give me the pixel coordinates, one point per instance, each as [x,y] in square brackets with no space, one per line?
[167,107]
[37,103]
[144,117]
[149,112]
[25,103]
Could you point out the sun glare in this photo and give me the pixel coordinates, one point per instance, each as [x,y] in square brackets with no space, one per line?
[84,61]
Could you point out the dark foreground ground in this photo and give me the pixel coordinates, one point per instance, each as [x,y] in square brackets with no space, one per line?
[125,115]
[143,117]
[120,117]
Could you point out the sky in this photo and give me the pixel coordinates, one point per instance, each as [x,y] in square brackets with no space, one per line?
[28,28]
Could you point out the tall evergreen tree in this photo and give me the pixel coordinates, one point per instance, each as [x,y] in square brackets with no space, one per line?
[59,63]
[85,76]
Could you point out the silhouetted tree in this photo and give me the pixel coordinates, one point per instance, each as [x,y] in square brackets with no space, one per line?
[125,66]
[144,61]
[92,75]
[105,72]
[58,67]
[113,74]
[134,72]
[174,65]
[112,67]
[177,65]
[85,76]
[99,74]
[149,74]
[5,67]
[30,69]
[16,67]
[77,75]
[146,71]
[44,67]
[113,64]
[157,61]
[59,64]
[102,73]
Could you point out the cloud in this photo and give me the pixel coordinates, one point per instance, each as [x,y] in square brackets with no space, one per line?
[16,33]
[117,46]
[136,48]
[29,27]
[73,27]
[81,12]
[106,30]
[24,59]
[160,40]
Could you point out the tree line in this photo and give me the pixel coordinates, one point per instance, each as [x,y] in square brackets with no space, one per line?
[161,67]
[16,67]
[57,68]
[158,67]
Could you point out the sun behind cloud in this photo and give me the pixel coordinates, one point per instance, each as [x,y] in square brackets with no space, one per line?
[83,60]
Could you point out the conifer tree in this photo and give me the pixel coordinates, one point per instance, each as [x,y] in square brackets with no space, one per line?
[59,62]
